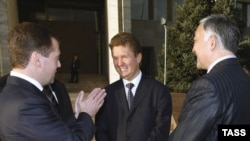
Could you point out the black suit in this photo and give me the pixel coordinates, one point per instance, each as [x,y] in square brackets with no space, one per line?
[219,97]
[26,114]
[64,107]
[75,68]
[3,80]
[148,119]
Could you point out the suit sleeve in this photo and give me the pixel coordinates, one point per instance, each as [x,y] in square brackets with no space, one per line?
[198,113]
[39,122]
[161,129]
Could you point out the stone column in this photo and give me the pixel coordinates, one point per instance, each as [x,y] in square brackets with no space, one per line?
[112,29]
[12,13]
[118,20]
[9,18]
[3,37]
[125,15]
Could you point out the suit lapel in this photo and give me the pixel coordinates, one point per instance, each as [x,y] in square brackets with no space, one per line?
[121,98]
[27,86]
[140,93]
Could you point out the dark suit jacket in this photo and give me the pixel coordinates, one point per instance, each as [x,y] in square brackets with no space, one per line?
[65,106]
[3,80]
[219,97]
[148,119]
[26,114]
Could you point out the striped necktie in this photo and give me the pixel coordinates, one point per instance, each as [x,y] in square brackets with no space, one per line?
[130,94]
[48,92]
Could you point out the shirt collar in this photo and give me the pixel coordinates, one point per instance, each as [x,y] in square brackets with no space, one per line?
[25,77]
[135,81]
[219,60]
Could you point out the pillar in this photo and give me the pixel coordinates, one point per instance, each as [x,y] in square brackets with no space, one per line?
[9,19]
[119,19]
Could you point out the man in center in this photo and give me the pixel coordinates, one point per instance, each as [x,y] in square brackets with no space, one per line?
[137,107]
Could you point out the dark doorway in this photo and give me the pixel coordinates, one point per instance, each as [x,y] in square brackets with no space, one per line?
[79,25]
[148,65]
[77,38]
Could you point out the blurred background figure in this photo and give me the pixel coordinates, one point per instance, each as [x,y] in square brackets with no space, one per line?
[75,69]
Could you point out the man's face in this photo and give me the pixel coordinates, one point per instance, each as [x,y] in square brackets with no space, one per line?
[125,61]
[52,62]
[201,48]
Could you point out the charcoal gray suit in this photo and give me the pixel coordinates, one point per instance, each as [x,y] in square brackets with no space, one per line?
[26,114]
[148,119]
[219,97]
[64,107]
[64,103]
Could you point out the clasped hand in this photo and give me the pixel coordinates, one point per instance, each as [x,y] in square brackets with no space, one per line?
[91,103]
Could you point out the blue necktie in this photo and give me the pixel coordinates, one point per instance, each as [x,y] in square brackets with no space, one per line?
[130,94]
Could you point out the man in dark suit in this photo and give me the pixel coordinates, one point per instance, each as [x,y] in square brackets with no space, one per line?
[140,113]
[220,97]
[64,103]
[25,111]
[75,69]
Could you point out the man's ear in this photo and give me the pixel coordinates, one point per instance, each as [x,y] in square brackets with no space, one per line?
[213,42]
[139,57]
[35,58]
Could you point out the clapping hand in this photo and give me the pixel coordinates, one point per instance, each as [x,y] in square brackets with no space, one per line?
[91,103]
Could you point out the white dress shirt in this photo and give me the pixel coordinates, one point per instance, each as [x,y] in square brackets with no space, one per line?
[135,81]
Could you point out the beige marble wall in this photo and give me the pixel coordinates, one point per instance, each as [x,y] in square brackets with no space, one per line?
[12,13]
[8,19]
[4,57]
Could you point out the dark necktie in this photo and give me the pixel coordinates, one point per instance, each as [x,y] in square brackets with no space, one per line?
[130,94]
[48,92]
